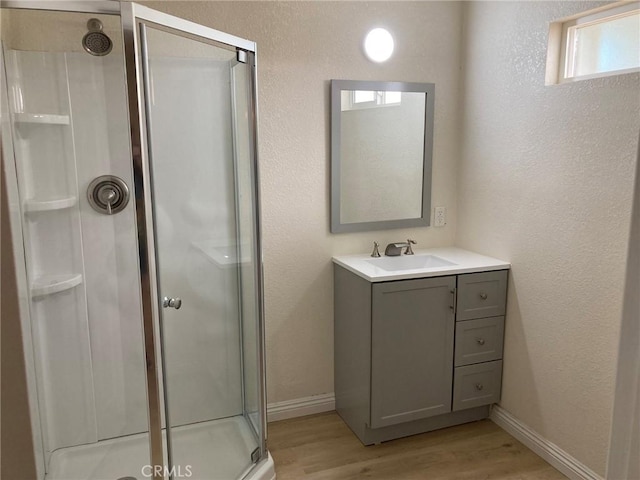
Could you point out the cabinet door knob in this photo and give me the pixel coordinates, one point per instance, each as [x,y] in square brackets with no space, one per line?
[480,341]
[483,296]
[479,386]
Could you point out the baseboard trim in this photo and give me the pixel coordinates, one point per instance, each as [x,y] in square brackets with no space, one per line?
[553,454]
[299,407]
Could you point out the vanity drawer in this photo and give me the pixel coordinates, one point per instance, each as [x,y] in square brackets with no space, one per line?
[476,385]
[479,340]
[481,295]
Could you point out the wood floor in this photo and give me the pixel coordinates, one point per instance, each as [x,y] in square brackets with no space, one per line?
[321,447]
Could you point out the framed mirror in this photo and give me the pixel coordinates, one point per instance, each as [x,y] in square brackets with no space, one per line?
[381,149]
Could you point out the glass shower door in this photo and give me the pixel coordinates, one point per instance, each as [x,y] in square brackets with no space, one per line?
[199,118]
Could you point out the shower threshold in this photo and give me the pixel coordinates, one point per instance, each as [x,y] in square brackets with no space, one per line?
[218,449]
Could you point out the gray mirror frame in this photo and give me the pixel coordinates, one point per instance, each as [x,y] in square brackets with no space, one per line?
[336,88]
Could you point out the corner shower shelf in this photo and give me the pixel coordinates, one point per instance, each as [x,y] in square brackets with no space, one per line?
[45,205]
[42,118]
[48,284]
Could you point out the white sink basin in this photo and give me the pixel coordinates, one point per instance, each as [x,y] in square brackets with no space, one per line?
[409,262]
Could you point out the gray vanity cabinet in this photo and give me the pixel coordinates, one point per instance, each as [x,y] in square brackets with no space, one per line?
[412,328]
[417,355]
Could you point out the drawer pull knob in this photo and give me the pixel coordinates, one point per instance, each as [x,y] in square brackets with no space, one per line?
[480,341]
[479,386]
[483,296]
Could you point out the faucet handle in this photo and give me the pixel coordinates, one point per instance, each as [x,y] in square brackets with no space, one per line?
[376,252]
[409,251]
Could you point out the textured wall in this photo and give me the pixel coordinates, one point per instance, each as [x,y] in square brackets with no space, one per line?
[546,181]
[624,450]
[301,46]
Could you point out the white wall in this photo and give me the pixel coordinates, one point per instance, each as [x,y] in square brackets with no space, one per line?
[546,181]
[301,46]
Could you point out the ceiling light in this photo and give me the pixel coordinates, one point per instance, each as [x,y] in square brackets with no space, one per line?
[378,45]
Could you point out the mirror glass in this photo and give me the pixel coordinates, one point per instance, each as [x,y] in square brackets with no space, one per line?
[381,142]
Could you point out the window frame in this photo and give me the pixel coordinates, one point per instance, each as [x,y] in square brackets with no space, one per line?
[560,55]
[379,101]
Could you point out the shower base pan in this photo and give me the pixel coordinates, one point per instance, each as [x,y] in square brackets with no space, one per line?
[215,450]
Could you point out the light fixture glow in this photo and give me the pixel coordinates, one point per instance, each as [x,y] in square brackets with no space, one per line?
[378,45]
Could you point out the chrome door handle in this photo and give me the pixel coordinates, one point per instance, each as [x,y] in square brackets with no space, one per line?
[171,302]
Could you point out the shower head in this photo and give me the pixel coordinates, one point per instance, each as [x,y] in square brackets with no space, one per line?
[95,41]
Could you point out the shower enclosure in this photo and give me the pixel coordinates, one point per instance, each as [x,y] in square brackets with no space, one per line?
[129,148]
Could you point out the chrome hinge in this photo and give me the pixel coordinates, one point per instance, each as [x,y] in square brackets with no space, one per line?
[241,56]
[255,455]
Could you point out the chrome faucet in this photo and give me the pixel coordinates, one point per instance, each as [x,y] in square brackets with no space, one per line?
[376,252]
[409,250]
[395,249]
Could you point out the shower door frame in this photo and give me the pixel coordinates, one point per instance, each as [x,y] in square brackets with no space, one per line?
[132,16]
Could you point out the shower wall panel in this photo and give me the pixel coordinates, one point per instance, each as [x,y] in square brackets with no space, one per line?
[101,139]
[70,126]
[46,169]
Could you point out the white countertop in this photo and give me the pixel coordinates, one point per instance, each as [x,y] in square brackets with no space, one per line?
[464,261]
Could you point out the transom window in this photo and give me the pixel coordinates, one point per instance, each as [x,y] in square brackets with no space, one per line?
[596,43]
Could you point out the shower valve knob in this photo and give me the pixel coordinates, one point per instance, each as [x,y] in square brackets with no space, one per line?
[171,302]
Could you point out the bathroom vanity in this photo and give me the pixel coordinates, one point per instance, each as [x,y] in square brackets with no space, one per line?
[418,340]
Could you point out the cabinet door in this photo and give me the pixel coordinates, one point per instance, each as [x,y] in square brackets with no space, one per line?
[411,350]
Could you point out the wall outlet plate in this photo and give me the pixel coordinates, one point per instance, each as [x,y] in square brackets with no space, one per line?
[439,217]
